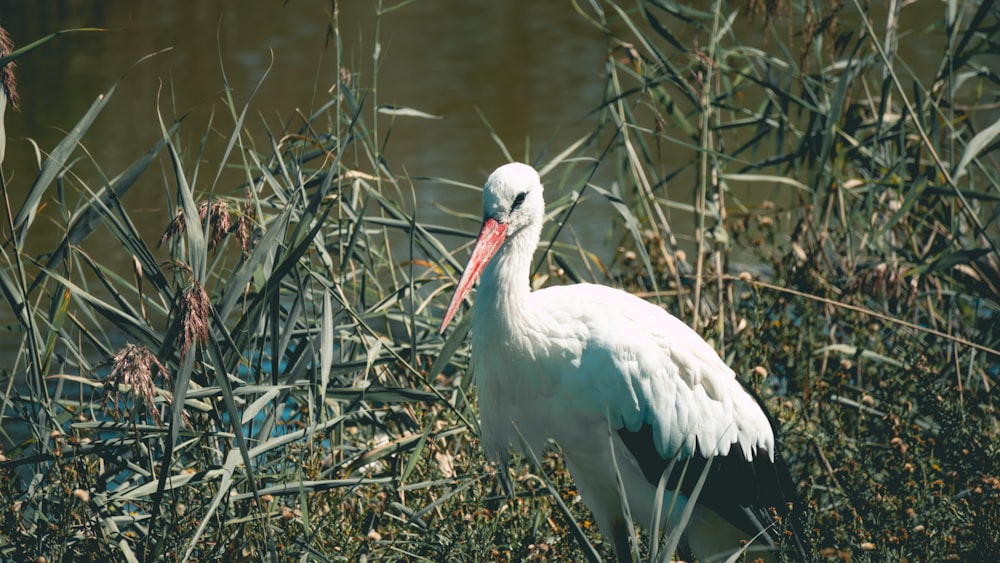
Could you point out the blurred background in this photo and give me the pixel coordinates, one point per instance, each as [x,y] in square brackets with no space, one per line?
[532,69]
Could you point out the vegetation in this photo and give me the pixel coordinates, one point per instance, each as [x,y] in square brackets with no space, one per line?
[303,300]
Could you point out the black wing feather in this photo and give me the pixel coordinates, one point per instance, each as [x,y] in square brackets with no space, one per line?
[739,490]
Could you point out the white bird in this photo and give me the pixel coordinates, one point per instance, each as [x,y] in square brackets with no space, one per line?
[608,376]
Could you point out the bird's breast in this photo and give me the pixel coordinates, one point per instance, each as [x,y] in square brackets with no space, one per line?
[526,390]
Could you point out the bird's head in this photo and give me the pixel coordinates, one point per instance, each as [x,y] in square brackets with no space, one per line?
[512,197]
[512,204]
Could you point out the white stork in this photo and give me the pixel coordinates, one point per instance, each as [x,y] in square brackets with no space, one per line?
[608,376]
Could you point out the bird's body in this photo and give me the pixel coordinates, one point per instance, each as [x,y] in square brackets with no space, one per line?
[608,376]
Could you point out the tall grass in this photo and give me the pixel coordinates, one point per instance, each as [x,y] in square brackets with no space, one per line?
[876,309]
[267,381]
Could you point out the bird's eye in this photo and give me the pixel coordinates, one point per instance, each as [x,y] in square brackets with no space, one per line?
[518,200]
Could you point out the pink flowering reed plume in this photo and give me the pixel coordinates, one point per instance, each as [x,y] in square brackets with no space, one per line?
[220,223]
[133,371]
[194,315]
[8,80]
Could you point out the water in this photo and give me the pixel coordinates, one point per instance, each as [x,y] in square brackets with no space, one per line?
[533,69]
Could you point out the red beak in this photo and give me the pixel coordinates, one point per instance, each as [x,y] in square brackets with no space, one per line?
[491,237]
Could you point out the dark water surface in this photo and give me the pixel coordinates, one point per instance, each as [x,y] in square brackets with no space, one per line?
[532,68]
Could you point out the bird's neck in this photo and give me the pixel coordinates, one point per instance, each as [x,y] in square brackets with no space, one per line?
[505,284]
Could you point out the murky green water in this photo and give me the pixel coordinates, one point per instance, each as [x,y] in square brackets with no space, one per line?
[533,69]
